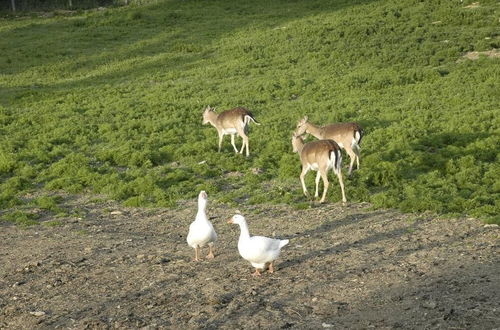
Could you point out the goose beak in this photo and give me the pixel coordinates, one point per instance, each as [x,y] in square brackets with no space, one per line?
[230,220]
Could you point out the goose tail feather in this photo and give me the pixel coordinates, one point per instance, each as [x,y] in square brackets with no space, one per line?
[283,243]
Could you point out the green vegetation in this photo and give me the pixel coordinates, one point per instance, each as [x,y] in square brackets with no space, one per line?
[20,218]
[110,101]
[53,223]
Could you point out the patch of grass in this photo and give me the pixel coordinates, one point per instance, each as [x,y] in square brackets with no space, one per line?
[493,220]
[97,200]
[52,223]
[302,205]
[49,203]
[135,80]
[77,213]
[82,232]
[135,15]
[410,230]
[20,218]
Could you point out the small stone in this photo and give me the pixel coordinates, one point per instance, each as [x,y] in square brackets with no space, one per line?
[327,325]
[161,260]
[429,304]
[116,213]
[256,170]
[38,313]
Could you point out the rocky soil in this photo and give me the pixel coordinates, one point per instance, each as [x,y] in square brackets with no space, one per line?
[345,267]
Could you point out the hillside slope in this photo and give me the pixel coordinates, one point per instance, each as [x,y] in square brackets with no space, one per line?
[109,101]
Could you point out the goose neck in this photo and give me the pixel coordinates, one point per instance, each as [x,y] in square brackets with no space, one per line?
[202,205]
[201,215]
[244,232]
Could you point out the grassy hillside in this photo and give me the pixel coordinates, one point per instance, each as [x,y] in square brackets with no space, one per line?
[110,101]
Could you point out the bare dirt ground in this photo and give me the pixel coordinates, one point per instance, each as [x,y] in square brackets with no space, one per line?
[345,267]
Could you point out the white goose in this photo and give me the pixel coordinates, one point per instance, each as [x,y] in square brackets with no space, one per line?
[259,250]
[201,231]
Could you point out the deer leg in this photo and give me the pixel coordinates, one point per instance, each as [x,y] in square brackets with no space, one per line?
[341,182]
[325,185]
[246,144]
[318,176]
[302,175]
[352,157]
[357,151]
[244,137]
[234,145]
[221,136]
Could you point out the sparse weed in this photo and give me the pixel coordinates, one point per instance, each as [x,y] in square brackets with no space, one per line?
[302,205]
[82,232]
[52,223]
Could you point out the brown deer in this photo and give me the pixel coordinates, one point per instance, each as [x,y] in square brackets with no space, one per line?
[347,135]
[320,155]
[232,122]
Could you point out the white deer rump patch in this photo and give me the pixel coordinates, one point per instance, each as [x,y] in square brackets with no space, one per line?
[314,166]
[357,137]
[229,131]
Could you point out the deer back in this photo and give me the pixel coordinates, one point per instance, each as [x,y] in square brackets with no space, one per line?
[233,118]
[319,152]
[343,132]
